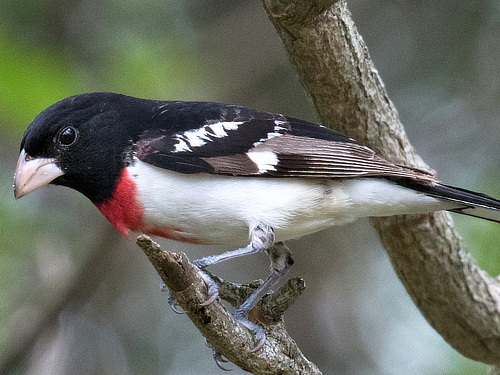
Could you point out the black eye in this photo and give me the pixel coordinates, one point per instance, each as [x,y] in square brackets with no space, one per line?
[67,136]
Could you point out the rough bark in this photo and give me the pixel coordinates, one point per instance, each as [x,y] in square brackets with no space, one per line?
[461,301]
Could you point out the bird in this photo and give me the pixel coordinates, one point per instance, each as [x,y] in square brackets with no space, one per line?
[218,174]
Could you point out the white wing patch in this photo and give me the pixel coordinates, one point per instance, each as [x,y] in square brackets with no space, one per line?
[279,127]
[201,136]
[264,160]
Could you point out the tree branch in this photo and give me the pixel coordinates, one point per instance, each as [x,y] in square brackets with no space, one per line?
[458,299]
[279,355]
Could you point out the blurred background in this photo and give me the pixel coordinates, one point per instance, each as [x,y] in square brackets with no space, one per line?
[76,298]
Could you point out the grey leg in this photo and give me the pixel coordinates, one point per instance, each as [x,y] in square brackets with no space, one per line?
[281,261]
[261,239]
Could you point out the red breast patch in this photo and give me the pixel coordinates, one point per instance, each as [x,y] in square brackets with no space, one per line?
[126,213]
[123,209]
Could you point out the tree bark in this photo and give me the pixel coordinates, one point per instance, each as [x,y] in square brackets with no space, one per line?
[461,301]
[228,337]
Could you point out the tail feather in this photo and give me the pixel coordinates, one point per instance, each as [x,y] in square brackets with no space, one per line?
[474,204]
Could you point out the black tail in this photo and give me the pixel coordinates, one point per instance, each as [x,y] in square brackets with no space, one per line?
[474,204]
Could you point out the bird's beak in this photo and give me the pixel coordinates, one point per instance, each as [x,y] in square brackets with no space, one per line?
[32,173]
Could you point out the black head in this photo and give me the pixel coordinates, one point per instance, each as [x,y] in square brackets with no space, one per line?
[83,142]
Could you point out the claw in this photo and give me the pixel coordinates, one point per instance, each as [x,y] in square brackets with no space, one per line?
[213,291]
[174,305]
[260,336]
[219,360]
[211,300]
[163,287]
[258,331]
[208,344]
[213,288]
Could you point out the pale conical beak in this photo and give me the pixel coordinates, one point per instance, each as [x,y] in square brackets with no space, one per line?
[32,173]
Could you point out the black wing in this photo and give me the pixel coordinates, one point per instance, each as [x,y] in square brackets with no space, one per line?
[231,140]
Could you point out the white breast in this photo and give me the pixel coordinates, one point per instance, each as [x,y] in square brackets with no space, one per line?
[222,209]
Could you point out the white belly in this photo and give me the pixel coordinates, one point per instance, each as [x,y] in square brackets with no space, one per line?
[223,209]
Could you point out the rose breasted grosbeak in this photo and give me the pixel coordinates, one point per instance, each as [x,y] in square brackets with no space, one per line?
[211,173]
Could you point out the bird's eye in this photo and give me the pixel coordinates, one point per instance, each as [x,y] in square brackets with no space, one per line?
[67,136]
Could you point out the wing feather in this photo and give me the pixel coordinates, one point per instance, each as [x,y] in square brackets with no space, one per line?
[263,144]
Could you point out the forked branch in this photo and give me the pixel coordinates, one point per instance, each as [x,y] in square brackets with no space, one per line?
[279,355]
[461,301]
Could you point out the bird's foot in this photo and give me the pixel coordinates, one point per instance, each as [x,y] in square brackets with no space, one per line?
[218,358]
[213,288]
[241,315]
[174,305]
[213,293]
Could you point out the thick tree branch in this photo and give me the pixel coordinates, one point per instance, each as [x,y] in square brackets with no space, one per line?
[459,300]
[279,355]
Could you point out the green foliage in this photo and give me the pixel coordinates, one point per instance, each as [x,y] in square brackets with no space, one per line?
[30,80]
[50,50]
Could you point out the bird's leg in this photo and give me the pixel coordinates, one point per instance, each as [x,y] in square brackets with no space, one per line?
[261,239]
[202,263]
[281,261]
